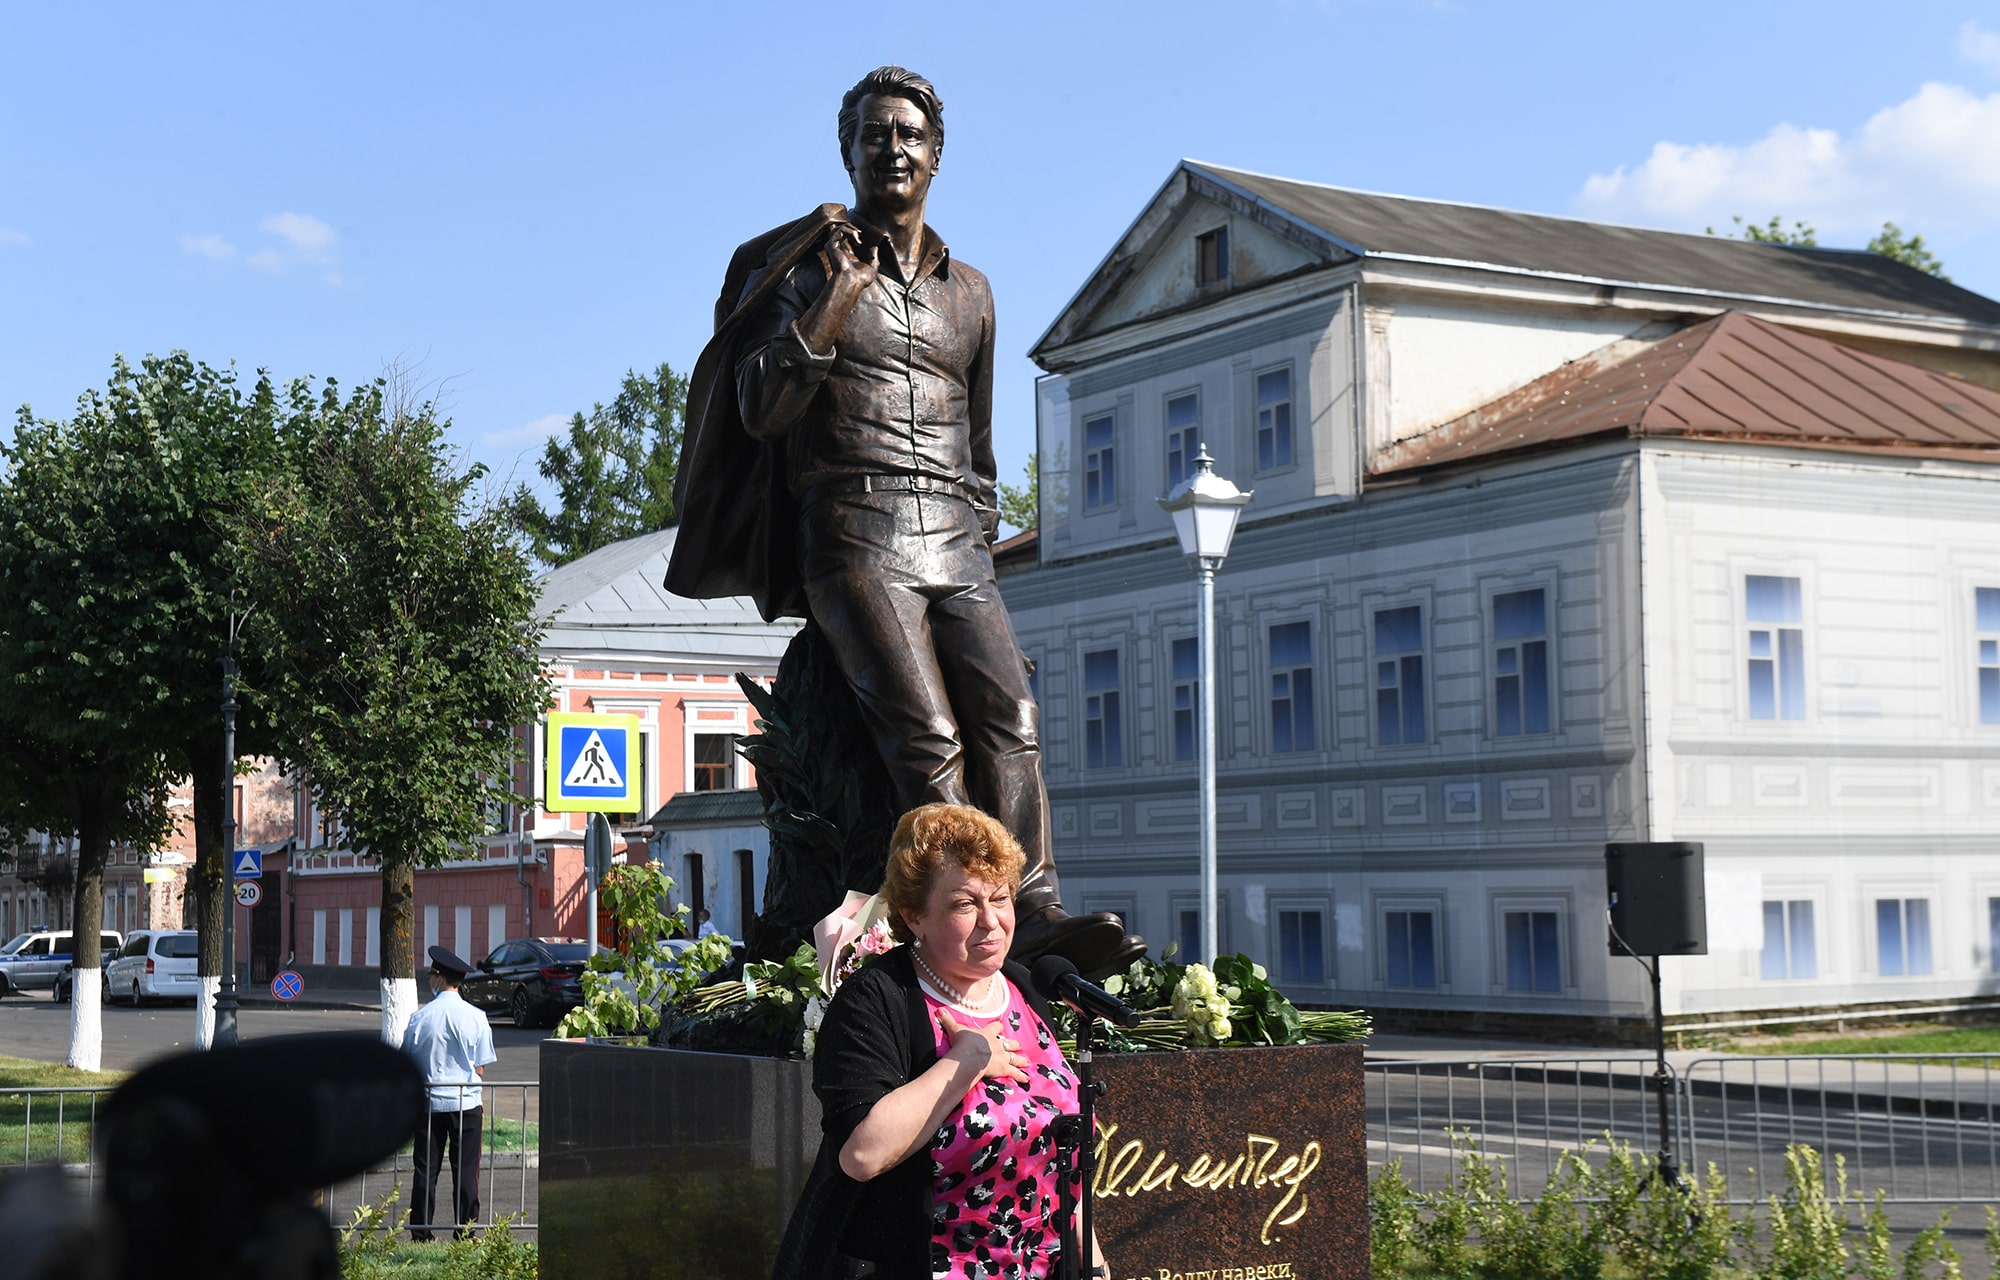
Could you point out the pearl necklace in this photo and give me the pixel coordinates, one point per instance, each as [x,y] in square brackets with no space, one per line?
[992,1004]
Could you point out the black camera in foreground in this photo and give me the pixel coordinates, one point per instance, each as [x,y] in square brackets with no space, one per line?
[210,1163]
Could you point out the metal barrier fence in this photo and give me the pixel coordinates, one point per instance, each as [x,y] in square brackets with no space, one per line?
[1527,1111]
[1920,1132]
[56,1127]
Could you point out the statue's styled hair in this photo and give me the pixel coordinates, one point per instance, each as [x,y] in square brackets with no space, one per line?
[938,836]
[890,82]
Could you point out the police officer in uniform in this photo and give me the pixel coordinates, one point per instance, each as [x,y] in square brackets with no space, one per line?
[452,1044]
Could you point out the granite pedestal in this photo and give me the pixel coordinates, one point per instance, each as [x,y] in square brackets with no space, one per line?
[1226,1164]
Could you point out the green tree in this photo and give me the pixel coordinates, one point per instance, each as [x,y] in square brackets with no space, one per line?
[1774,232]
[402,634]
[1020,505]
[1890,242]
[614,474]
[113,583]
[1911,251]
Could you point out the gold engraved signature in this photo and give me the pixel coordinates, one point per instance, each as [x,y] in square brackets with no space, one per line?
[1251,1169]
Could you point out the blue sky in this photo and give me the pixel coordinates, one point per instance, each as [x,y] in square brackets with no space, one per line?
[522,202]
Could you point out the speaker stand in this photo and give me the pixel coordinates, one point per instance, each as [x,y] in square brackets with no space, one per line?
[1667,1168]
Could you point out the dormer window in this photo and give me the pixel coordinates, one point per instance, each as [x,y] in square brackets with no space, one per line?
[1211,254]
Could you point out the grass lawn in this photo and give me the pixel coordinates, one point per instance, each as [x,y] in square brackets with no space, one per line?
[503,1133]
[1920,1043]
[36,1128]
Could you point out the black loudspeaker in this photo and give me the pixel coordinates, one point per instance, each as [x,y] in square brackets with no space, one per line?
[1658,905]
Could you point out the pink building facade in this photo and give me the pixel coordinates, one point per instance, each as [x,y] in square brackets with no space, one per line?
[618,643]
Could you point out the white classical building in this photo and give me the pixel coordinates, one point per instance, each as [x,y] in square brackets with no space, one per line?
[1564,533]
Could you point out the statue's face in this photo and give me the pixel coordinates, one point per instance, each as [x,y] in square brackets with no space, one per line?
[894,154]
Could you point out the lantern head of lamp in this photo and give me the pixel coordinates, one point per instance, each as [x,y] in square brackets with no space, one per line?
[1204,507]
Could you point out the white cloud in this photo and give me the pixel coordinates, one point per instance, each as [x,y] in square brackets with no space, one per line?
[13,237]
[1979,47]
[1931,161]
[528,432]
[208,246]
[307,236]
[291,240]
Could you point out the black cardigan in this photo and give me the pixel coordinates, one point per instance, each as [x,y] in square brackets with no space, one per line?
[877,1037]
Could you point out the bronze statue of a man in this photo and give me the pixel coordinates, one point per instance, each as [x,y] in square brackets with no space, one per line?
[838,465]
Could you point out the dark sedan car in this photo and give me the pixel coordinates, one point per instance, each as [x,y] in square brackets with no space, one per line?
[532,980]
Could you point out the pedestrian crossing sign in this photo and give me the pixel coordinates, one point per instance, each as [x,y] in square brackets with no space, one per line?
[593,764]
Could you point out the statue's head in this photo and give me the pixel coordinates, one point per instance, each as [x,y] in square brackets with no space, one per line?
[891,135]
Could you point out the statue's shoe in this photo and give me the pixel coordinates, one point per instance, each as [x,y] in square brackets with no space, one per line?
[1096,944]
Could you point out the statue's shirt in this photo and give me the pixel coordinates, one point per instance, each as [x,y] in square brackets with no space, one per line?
[906,391]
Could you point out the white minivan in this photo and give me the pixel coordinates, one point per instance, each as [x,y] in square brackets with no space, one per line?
[154,964]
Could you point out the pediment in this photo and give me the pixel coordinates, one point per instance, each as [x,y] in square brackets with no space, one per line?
[1156,269]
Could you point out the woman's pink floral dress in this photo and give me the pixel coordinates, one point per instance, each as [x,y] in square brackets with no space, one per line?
[993,1178]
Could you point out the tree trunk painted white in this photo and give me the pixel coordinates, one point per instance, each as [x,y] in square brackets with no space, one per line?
[204,1011]
[86,1020]
[399,1002]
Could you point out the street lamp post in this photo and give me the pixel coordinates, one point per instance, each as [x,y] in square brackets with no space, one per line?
[1205,508]
[225,999]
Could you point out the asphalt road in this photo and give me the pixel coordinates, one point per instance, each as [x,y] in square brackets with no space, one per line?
[37,1027]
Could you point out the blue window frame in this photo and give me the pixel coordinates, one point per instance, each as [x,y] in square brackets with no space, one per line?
[1776,612]
[1399,675]
[1187,930]
[1520,663]
[1186,698]
[1534,951]
[1183,437]
[1789,950]
[1986,621]
[1103,735]
[1292,687]
[1274,419]
[1902,937]
[1301,946]
[1100,471]
[1410,938]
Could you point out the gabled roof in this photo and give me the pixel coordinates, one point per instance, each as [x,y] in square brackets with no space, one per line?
[1339,223]
[1408,228]
[1735,378]
[611,604]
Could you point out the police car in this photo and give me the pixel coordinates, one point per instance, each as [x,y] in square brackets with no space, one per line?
[31,961]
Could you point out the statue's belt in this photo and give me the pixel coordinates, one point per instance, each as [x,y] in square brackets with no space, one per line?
[849,486]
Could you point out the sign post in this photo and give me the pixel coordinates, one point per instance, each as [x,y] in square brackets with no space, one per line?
[596,862]
[593,767]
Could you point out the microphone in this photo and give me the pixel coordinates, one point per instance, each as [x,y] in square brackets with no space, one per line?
[1057,979]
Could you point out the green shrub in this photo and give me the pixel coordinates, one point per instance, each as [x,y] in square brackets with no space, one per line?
[1807,1226]
[491,1255]
[1394,1214]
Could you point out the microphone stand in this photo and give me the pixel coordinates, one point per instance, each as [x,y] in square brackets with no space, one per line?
[1076,1160]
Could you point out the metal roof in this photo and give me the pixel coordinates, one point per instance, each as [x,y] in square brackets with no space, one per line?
[1733,377]
[611,604]
[741,804]
[1409,228]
